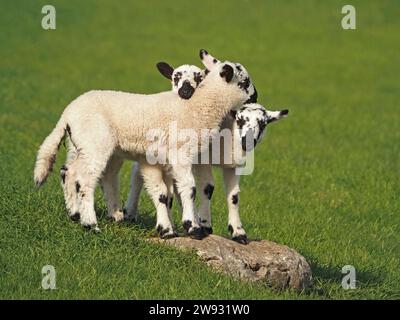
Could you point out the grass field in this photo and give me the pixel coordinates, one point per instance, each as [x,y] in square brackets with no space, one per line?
[326,181]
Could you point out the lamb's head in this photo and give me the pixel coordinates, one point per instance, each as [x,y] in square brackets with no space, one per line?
[233,72]
[184,79]
[252,120]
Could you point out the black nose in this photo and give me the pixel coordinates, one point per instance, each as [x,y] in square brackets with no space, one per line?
[284,112]
[186,90]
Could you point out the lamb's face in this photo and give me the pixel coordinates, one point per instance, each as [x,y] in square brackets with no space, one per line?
[252,120]
[184,79]
[236,74]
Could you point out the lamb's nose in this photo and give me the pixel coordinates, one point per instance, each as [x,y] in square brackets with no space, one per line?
[284,112]
[186,90]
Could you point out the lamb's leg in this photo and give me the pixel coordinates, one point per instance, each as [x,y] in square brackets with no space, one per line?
[231,181]
[110,186]
[154,183]
[206,184]
[185,185]
[67,174]
[170,194]
[131,209]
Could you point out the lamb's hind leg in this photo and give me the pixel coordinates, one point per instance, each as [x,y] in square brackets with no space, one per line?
[158,191]
[131,209]
[110,186]
[206,184]
[67,173]
[231,181]
[185,185]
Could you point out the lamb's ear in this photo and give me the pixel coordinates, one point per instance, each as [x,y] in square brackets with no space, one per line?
[227,72]
[165,69]
[207,59]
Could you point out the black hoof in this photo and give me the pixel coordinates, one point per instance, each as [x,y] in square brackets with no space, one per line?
[75,217]
[165,233]
[187,225]
[90,227]
[207,230]
[196,233]
[170,235]
[241,239]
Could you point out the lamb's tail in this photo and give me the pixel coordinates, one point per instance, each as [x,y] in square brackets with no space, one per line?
[47,152]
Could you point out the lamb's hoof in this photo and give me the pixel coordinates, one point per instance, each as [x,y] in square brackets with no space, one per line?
[242,238]
[75,217]
[166,233]
[129,217]
[117,216]
[196,233]
[90,227]
[207,230]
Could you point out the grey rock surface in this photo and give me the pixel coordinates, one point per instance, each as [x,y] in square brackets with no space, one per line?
[276,265]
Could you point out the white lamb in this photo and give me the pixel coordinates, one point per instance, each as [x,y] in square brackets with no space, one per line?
[106,127]
[249,122]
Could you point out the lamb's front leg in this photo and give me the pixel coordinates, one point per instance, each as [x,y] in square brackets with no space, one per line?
[206,184]
[231,181]
[186,187]
[158,191]
[110,186]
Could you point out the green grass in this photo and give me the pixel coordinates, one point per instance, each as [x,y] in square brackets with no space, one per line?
[326,181]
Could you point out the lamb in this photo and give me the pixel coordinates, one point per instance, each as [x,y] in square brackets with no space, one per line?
[249,122]
[105,127]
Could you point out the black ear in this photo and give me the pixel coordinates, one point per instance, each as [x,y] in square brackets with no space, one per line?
[227,72]
[165,69]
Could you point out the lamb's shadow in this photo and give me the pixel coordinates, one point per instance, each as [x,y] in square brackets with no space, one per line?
[145,221]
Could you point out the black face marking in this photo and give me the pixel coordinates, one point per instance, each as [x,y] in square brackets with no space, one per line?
[170,202]
[241,122]
[215,60]
[177,77]
[227,73]
[261,124]
[197,77]
[244,84]
[239,68]
[163,199]
[235,199]
[77,186]
[253,97]
[206,72]
[230,229]
[208,191]
[193,195]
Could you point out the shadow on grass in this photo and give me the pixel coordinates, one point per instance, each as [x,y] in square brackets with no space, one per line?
[364,278]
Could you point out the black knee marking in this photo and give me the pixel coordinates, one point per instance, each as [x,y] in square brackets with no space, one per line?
[77,186]
[207,230]
[170,202]
[235,199]
[63,172]
[230,229]
[163,199]
[193,195]
[208,190]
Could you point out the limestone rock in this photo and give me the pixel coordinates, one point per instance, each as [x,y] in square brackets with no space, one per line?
[276,265]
